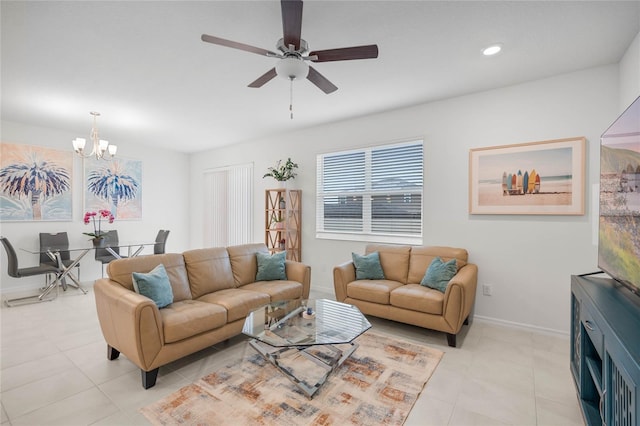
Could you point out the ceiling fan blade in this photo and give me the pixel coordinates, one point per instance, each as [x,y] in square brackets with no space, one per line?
[291,22]
[264,78]
[319,80]
[235,45]
[346,53]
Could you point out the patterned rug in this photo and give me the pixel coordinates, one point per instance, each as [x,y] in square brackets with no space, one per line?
[378,384]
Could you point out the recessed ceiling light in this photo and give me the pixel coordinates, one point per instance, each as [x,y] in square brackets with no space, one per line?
[494,49]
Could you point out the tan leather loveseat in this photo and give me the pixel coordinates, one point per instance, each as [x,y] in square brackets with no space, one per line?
[400,297]
[213,291]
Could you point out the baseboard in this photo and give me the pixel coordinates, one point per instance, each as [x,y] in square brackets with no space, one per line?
[322,289]
[330,290]
[523,326]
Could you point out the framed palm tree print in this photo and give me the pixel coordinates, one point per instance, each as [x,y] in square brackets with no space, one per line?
[114,185]
[35,183]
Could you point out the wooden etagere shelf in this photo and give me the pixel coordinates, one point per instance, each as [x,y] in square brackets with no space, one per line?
[283,222]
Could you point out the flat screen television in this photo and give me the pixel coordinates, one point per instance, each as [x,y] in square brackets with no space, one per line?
[619,221]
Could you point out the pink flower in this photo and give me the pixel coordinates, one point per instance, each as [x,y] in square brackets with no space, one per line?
[88,216]
[91,217]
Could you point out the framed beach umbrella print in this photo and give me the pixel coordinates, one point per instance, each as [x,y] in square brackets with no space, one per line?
[530,178]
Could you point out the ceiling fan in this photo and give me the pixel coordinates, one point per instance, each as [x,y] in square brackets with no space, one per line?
[293,50]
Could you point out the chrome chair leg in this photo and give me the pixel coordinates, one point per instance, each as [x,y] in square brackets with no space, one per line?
[37,298]
[54,284]
[26,300]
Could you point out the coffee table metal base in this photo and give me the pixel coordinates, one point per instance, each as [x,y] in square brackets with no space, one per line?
[308,367]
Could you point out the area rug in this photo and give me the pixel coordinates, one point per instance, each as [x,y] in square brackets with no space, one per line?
[378,384]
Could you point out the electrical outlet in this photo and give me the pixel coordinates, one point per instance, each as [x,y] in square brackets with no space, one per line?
[486,290]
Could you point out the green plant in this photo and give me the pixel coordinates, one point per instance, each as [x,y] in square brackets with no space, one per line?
[282,172]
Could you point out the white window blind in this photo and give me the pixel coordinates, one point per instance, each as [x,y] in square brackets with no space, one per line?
[371,194]
[228,206]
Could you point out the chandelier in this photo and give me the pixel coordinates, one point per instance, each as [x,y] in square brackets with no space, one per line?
[101,148]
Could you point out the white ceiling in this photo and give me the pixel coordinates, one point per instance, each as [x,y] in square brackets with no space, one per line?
[143,66]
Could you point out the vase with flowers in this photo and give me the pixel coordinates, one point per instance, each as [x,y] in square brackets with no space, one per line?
[97,236]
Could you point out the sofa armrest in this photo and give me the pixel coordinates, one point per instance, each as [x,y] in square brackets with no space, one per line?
[343,274]
[130,322]
[301,273]
[460,296]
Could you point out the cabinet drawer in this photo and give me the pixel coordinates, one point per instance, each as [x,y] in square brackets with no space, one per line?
[593,331]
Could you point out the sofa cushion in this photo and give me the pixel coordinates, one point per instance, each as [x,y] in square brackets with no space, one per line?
[421,258]
[155,285]
[375,291]
[394,260]
[208,270]
[368,266]
[271,266]
[277,290]
[439,273]
[121,271]
[244,265]
[238,302]
[419,298]
[191,317]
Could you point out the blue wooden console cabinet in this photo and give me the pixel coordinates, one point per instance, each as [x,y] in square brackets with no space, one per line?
[605,351]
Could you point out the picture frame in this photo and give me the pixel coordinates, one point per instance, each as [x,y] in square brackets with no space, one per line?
[114,185]
[36,184]
[533,178]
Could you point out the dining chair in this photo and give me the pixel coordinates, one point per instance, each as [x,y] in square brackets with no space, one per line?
[60,241]
[161,241]
[103,255]
[14,270]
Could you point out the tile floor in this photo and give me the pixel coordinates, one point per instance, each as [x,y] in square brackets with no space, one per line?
[54,371]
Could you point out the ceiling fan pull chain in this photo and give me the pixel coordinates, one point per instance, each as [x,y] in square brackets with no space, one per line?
[291,97]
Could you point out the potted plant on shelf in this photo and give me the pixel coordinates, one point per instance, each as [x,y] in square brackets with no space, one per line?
[97,236]
[282,172]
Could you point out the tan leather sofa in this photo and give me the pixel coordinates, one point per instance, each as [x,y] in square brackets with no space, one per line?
[400,297]
[213,291]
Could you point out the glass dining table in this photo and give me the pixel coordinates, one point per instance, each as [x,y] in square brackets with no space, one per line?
[76,253]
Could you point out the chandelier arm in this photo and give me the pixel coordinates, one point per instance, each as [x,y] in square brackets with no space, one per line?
[101,149]
[91,154]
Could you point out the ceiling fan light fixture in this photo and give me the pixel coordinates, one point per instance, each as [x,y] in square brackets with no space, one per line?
[292,68]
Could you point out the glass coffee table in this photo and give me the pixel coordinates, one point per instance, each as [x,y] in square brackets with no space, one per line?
[306,346]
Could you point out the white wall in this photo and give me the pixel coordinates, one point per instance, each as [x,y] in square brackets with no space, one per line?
[527,259]
[164,204]
[630,74]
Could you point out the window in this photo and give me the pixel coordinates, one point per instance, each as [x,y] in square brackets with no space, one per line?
[371,194]
[228,206]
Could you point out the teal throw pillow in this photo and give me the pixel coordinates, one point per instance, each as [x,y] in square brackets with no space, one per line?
[271,267]
[368,267]
[155,285]
[439,274]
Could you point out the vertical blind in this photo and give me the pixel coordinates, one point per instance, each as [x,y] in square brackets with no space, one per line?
[372,194]
[228,206]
